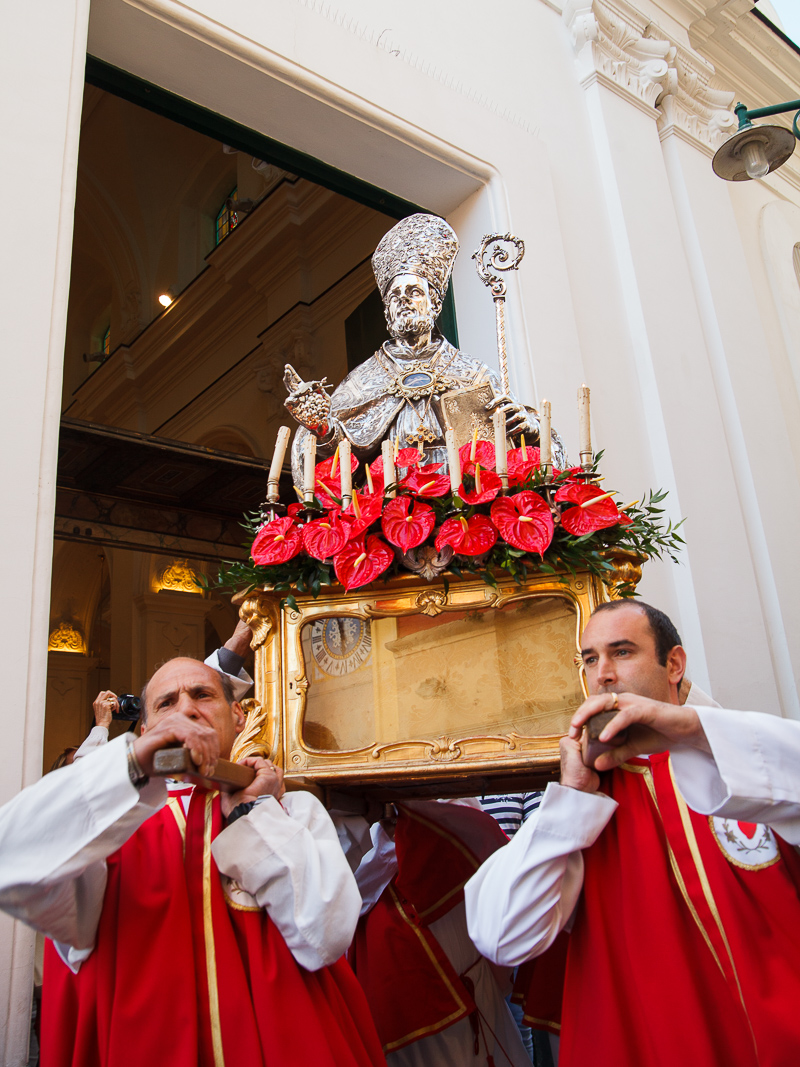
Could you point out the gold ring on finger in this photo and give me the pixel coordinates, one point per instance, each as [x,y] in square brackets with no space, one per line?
[615,705]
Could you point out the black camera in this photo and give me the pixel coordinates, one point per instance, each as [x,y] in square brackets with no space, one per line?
[129,707]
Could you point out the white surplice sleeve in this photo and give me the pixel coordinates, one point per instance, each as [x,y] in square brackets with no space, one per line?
[287,856]
[521,898]
[377,868]
[96,739]
[241,682]
[753,774]
[55,837]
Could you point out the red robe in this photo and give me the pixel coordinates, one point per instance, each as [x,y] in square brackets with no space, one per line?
[180,977]
[412,988]
[686,940]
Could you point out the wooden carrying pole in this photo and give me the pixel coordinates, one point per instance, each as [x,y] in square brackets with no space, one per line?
[227,777]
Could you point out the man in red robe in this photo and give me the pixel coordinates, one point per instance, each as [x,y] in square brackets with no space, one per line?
[187,929]
[673,874]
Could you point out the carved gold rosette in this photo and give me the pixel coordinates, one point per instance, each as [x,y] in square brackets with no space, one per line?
[418,688]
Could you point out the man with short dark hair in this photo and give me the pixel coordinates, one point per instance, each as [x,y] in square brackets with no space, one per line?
[187,929]
[673,874]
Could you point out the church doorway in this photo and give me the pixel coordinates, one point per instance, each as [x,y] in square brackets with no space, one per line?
[204,259]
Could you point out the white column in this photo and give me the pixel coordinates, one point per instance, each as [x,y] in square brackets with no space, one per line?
[682,280]
[41,123]
[622,72]
[737,350]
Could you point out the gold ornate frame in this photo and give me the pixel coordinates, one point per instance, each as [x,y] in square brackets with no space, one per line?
[447,765]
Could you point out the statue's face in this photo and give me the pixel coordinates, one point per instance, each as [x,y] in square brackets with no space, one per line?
[408,304]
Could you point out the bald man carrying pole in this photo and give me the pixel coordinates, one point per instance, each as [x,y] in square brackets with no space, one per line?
[669,863]
[187,928]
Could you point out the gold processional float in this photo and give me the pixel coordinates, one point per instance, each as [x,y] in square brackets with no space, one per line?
[418,634]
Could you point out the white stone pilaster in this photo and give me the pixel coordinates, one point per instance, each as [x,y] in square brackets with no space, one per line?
[41,128]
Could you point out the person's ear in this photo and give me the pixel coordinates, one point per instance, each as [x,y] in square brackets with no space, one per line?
[238,717]
[676,665]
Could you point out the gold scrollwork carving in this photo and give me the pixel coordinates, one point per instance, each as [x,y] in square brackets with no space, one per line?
[431,602]
[626,575]
[250,741]
[443,750]
[260,624]
[301,683]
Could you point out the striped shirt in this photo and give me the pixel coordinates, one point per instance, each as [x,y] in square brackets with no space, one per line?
[511,809]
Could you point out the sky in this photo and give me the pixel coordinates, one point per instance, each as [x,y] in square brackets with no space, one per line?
[788,12]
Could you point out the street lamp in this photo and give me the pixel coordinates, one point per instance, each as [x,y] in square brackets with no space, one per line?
[754,151]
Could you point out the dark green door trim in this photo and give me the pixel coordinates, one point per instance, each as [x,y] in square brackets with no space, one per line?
[145,94]
[202,120]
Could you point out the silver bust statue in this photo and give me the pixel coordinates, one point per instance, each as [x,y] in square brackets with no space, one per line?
[396,394]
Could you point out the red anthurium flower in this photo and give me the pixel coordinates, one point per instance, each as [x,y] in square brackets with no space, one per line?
[375,477]
[469,537]
[524,521]
[328,493]
[520,465]
[408,457]
[323,538]
[277,541]
[293,510]
[406,523]
[361,514]
[487,486]
[362,560]
[425,481]
[484,454]
[587,516]
[328,482]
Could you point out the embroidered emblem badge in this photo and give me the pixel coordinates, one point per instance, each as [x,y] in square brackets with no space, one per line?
[746,844]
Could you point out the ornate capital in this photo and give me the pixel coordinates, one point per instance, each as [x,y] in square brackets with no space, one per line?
[611,45]
[692,109]
[618,46]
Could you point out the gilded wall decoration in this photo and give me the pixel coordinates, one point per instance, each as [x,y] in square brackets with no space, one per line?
[66,638]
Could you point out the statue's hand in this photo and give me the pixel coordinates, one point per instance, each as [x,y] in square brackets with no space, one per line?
[518,418]
[308,402]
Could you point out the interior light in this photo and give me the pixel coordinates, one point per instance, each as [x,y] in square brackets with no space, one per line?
[165,300]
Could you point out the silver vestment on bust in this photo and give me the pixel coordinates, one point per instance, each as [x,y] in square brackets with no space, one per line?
[396,393]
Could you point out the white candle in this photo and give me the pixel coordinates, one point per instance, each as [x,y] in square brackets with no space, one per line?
[346,473]
[584,426]
[545,439]
[309,464]
[453,461]
[275,468]
[389,473]
[500,456]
